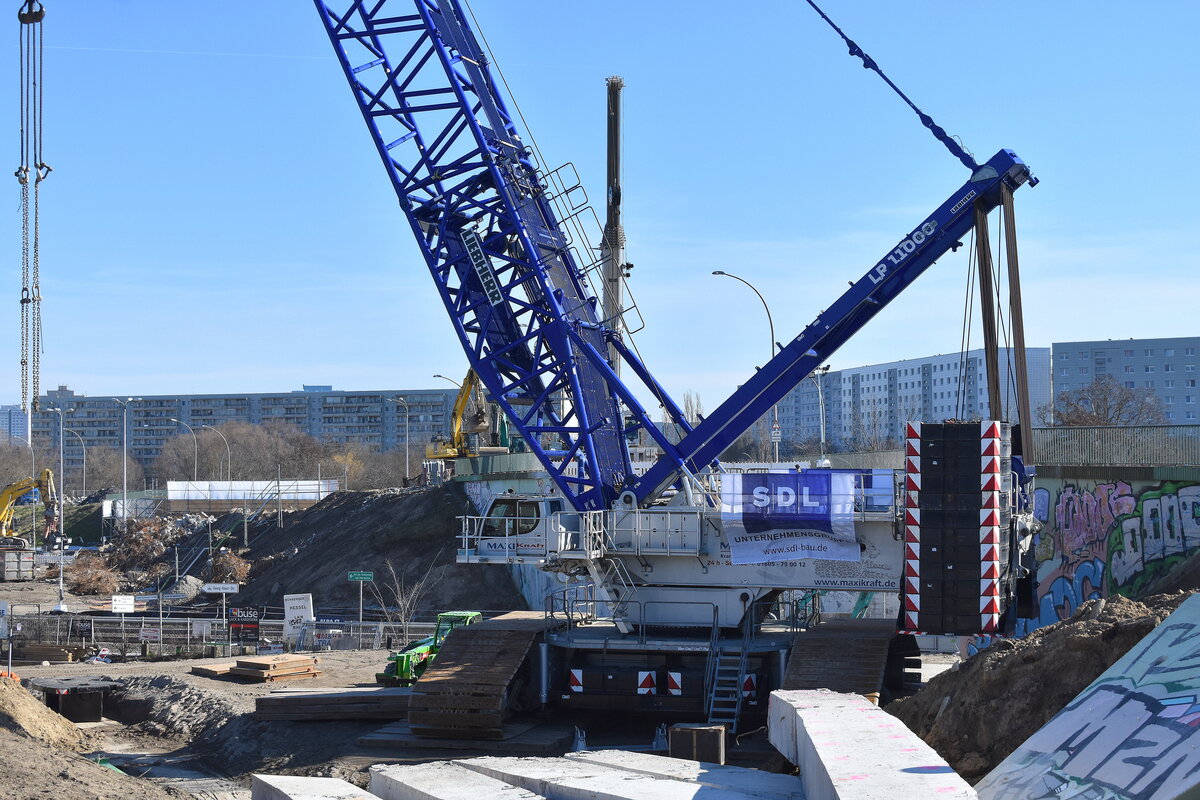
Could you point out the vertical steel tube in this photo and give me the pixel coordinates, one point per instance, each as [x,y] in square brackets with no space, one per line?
[987,306]
[1016,316]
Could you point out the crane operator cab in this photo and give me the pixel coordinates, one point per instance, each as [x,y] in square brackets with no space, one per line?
[518,528]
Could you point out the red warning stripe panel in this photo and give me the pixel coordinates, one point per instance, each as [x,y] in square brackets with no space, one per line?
[910,620]
[989,429]
[989,447]
[989,622]
[912,602]
[989,516]
[989,465]
[912,464]
[912,482]
[989,483]
[989,500]
[912,516]
[989,535]
[575,682]
[912,568]
[647,683]
[912,533]
[912,588]
[912,550]
[989,570]
[912,447]
[911,500]
[989,589]
[912,430]
[675,683]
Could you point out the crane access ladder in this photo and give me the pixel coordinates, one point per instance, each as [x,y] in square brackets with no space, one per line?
[729,675]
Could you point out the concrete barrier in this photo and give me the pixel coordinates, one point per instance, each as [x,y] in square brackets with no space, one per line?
[849,749]
[753,782]
[573,779]
[441,780]
[1133,734]
[297,787]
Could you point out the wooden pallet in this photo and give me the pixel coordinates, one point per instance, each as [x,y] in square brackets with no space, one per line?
[279,663]
[370,703]
[843,655]
[463,694]
[37,653]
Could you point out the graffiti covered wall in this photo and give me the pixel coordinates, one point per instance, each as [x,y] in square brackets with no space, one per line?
[1109,537]
[1131,735]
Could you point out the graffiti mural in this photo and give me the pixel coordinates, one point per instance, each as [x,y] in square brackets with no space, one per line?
[1133,734]
[1108,537]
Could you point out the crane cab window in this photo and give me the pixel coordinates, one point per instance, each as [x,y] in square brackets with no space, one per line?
[508,517]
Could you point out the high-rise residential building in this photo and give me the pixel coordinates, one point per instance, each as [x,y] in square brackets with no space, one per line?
[381,420]
[1166,367]
[13,422]
[866,407]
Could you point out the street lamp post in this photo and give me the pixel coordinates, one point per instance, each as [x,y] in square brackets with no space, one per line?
[443,377]
[775,433]
[62,528]
[195,449]
[817,377]
[83,453]
[407,472]
[228,452]
[125,459]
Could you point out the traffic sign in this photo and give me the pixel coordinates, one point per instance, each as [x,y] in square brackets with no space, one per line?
[220,588]
[361,576]
[122,604]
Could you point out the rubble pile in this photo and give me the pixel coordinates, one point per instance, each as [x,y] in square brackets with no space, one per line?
[977,713]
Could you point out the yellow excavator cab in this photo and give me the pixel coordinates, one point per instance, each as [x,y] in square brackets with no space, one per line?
[44,484]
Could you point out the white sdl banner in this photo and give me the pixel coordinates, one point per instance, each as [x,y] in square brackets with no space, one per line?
[789,516]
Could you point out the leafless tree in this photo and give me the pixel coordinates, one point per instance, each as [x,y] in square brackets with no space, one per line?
[1106,402]
[692,409]
[400,597]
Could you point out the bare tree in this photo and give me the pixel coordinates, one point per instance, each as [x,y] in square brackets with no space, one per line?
[1106,402]
[692,408]
[400,598]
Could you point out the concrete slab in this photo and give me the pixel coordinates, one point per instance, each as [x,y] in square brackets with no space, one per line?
[1133,734]
[441,780]
[753,782]
[848,749]
[298,787]
[569,779]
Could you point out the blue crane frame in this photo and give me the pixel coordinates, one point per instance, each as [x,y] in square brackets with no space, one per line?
[519,300]
[516,294]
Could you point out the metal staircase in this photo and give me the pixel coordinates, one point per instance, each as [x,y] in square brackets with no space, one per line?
[725,699]
[615,587]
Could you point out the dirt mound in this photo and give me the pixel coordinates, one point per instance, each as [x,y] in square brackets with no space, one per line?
[977,713]
[35,771]
[21,712]
[226,734]
[415,529]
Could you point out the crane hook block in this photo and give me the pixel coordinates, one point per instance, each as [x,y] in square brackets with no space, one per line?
[31,12]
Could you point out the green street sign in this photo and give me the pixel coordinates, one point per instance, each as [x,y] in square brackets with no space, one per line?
[361,576]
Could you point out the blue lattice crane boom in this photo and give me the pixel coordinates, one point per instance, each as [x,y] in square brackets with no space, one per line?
[940,233]
[512,282]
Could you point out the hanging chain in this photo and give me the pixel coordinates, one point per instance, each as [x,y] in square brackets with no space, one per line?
[30,16]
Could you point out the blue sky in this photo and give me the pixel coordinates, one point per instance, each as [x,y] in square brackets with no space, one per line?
[218,221]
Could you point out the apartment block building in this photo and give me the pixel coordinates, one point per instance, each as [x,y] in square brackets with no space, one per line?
[381,420]
[866,407]
[1167,367]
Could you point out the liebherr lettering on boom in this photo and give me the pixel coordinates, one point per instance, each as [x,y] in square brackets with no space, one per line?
[491,224]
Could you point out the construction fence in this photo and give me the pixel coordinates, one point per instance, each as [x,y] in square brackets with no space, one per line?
[198,637]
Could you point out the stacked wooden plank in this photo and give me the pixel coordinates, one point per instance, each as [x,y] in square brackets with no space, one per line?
[464,694]
[213,670]
[273,668]
[379,702]
[37,653]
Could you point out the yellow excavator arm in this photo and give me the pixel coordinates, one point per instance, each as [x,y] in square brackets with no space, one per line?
[9,495]
[458,446]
